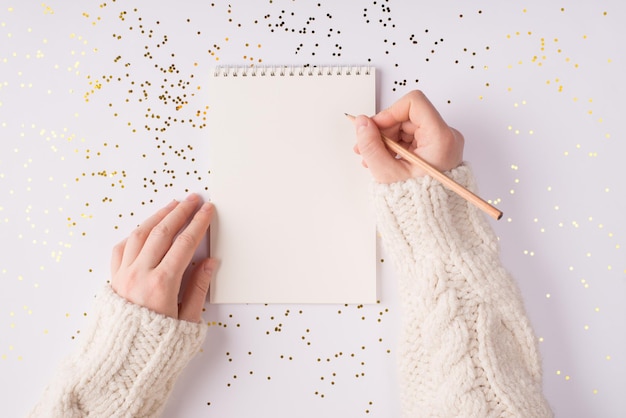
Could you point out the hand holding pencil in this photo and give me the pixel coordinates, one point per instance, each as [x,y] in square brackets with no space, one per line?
[413,130]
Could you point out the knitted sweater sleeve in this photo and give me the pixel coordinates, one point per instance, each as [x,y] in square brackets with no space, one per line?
[466,346]
[126,365]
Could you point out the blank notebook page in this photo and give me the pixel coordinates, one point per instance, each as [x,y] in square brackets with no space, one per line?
[294,221]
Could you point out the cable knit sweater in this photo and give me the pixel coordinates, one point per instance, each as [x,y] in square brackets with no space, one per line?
[126,365]
[466,349]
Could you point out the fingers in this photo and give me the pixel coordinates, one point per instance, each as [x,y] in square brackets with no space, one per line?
[181,251]
[383,166]
[147,268]
[412,118]
[369,143]
[414,107]
[196,290]
[162,234]
[116,257]
[415,121]
[135,242]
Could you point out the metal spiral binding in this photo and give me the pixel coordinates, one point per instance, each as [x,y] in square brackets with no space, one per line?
[290,70]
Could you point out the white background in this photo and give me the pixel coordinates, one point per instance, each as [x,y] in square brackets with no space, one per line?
[102,107]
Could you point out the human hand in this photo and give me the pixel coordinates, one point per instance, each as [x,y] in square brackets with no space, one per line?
[414,123]
[147,267]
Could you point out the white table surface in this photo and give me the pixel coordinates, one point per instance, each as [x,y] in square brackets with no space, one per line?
[102,108]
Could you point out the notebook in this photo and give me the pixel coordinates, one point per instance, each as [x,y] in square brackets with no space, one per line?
[294,222]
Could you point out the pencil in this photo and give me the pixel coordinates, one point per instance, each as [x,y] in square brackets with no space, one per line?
[442,178]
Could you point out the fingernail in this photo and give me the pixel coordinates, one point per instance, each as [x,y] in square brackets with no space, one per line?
[206,207]
[172,204]
[209,266]
[191,197]
[360,123]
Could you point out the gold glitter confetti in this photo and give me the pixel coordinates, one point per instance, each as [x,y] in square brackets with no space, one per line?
[71,187]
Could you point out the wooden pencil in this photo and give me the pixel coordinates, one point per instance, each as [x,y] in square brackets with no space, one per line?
[436,174]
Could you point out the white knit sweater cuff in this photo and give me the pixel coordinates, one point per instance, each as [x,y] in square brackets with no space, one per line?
[129,358]
[418,215]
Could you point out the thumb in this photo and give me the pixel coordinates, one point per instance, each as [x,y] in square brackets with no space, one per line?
[370,146]
[195,292]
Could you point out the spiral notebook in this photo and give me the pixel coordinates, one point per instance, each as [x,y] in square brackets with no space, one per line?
[294,220]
